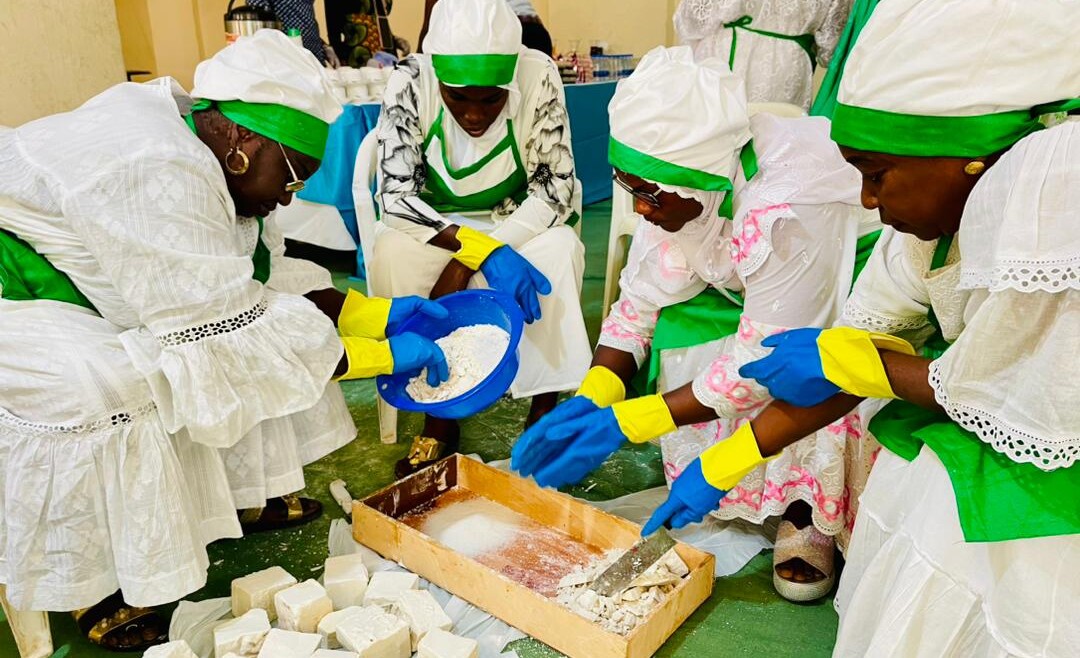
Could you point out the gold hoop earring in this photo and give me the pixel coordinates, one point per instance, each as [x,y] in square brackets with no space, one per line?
[974,168]
[244,162]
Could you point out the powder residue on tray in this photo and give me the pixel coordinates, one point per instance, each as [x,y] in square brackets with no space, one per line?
[509,543]
[472,353]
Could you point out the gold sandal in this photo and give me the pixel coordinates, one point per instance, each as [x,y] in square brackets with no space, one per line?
[423,452]
[812,547]
[291,511]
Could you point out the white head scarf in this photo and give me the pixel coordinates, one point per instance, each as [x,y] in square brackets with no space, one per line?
[956,77]
[474,43]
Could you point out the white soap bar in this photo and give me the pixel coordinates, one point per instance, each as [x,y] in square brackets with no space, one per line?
[346,580]
[257,590]
[440,644]
[375,633]
[176,649]
[243,635]
[334,653]
[422,612]
[287,644]
[301,607]
[386,586]
[328,626]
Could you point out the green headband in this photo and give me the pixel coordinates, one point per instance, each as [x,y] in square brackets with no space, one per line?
[933,136]
[297,130]
[475,70]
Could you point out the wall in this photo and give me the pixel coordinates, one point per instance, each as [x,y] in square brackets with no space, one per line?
[56,54]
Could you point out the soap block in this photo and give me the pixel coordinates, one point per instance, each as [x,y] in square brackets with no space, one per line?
[422,612]
[289,644]
[375,633]
[243,635]
[346,580]
[257,590]
[328,626]
[440,644]
[386,586]
[176,649]
[334,653]
[301,607]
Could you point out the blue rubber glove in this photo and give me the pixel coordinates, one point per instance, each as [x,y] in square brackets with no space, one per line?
[577,447]
[691,498]
[413,352]
[792,372]
[536,446]
[403,308]
[508,271]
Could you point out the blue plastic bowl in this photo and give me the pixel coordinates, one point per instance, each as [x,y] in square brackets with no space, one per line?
[466,308]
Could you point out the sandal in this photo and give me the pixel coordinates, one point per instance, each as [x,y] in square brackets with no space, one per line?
[287,511]
[116,626]
[424,452]
[812,547]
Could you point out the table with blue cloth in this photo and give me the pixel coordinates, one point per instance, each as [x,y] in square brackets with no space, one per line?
[586,104]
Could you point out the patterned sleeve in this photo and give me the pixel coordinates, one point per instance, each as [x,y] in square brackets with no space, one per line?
[549,163]
[402,172]
[829,31]
[656,275]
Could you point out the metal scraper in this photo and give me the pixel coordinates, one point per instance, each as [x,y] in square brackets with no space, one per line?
[634,562]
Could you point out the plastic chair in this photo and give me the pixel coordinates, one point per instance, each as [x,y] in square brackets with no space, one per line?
[33,638]
[624,221]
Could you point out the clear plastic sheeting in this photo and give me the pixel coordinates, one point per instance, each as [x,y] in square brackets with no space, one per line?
[194,622]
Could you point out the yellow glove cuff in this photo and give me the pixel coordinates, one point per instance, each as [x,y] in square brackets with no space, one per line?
[850,359]
[602,386]
[475,247]
[363,317]
[643,419]
[367,358]
[726,463]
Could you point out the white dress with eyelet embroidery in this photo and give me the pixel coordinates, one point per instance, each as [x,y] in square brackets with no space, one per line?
[130,436]
[790,252]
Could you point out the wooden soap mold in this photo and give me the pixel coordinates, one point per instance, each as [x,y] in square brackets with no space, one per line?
[376,525]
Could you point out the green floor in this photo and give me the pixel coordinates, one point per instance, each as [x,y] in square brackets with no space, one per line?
[744,616]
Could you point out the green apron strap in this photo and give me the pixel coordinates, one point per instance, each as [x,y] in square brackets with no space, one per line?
[27,275]
[864,246]
[804,41]
[825,101]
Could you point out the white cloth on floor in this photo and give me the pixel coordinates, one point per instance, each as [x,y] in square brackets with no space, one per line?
[912,586]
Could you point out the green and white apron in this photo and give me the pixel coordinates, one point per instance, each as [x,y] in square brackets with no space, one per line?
[804,41]
[997,499]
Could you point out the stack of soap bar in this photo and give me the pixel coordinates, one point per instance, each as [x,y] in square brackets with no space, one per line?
[243,635]
[346,580]
[257,590]
[386,586]
[440,644]
[374,633]
[328,626]
[301,607]
[177,649]
[334,653]
[287,644]
[422,612]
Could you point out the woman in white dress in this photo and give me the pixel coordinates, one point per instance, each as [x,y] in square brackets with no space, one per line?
[708,279]
[772,44]
[478,124]
[968,533]
[161,367]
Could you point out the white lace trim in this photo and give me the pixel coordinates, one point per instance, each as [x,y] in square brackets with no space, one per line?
[1025,276]
[102,424]
[226,326]
[863,318]
[1017,445]
[627,345]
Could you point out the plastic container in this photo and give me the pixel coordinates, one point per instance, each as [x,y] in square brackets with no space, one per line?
[466,308]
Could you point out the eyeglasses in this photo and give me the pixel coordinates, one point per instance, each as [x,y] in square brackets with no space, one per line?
[295,185]
[647,197]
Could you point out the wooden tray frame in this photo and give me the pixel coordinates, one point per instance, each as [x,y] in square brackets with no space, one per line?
[376,526]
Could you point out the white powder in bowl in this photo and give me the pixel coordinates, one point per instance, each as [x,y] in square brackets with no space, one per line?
[473,527]
[472,353]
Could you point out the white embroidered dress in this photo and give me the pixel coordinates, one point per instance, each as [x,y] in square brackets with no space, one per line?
[1008,297]
[128,438]
[790,252]
[775,70]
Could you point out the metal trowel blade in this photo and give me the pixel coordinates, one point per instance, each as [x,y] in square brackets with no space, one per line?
[634,562]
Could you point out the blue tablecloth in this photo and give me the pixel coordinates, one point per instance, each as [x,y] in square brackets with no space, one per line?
[588,108]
